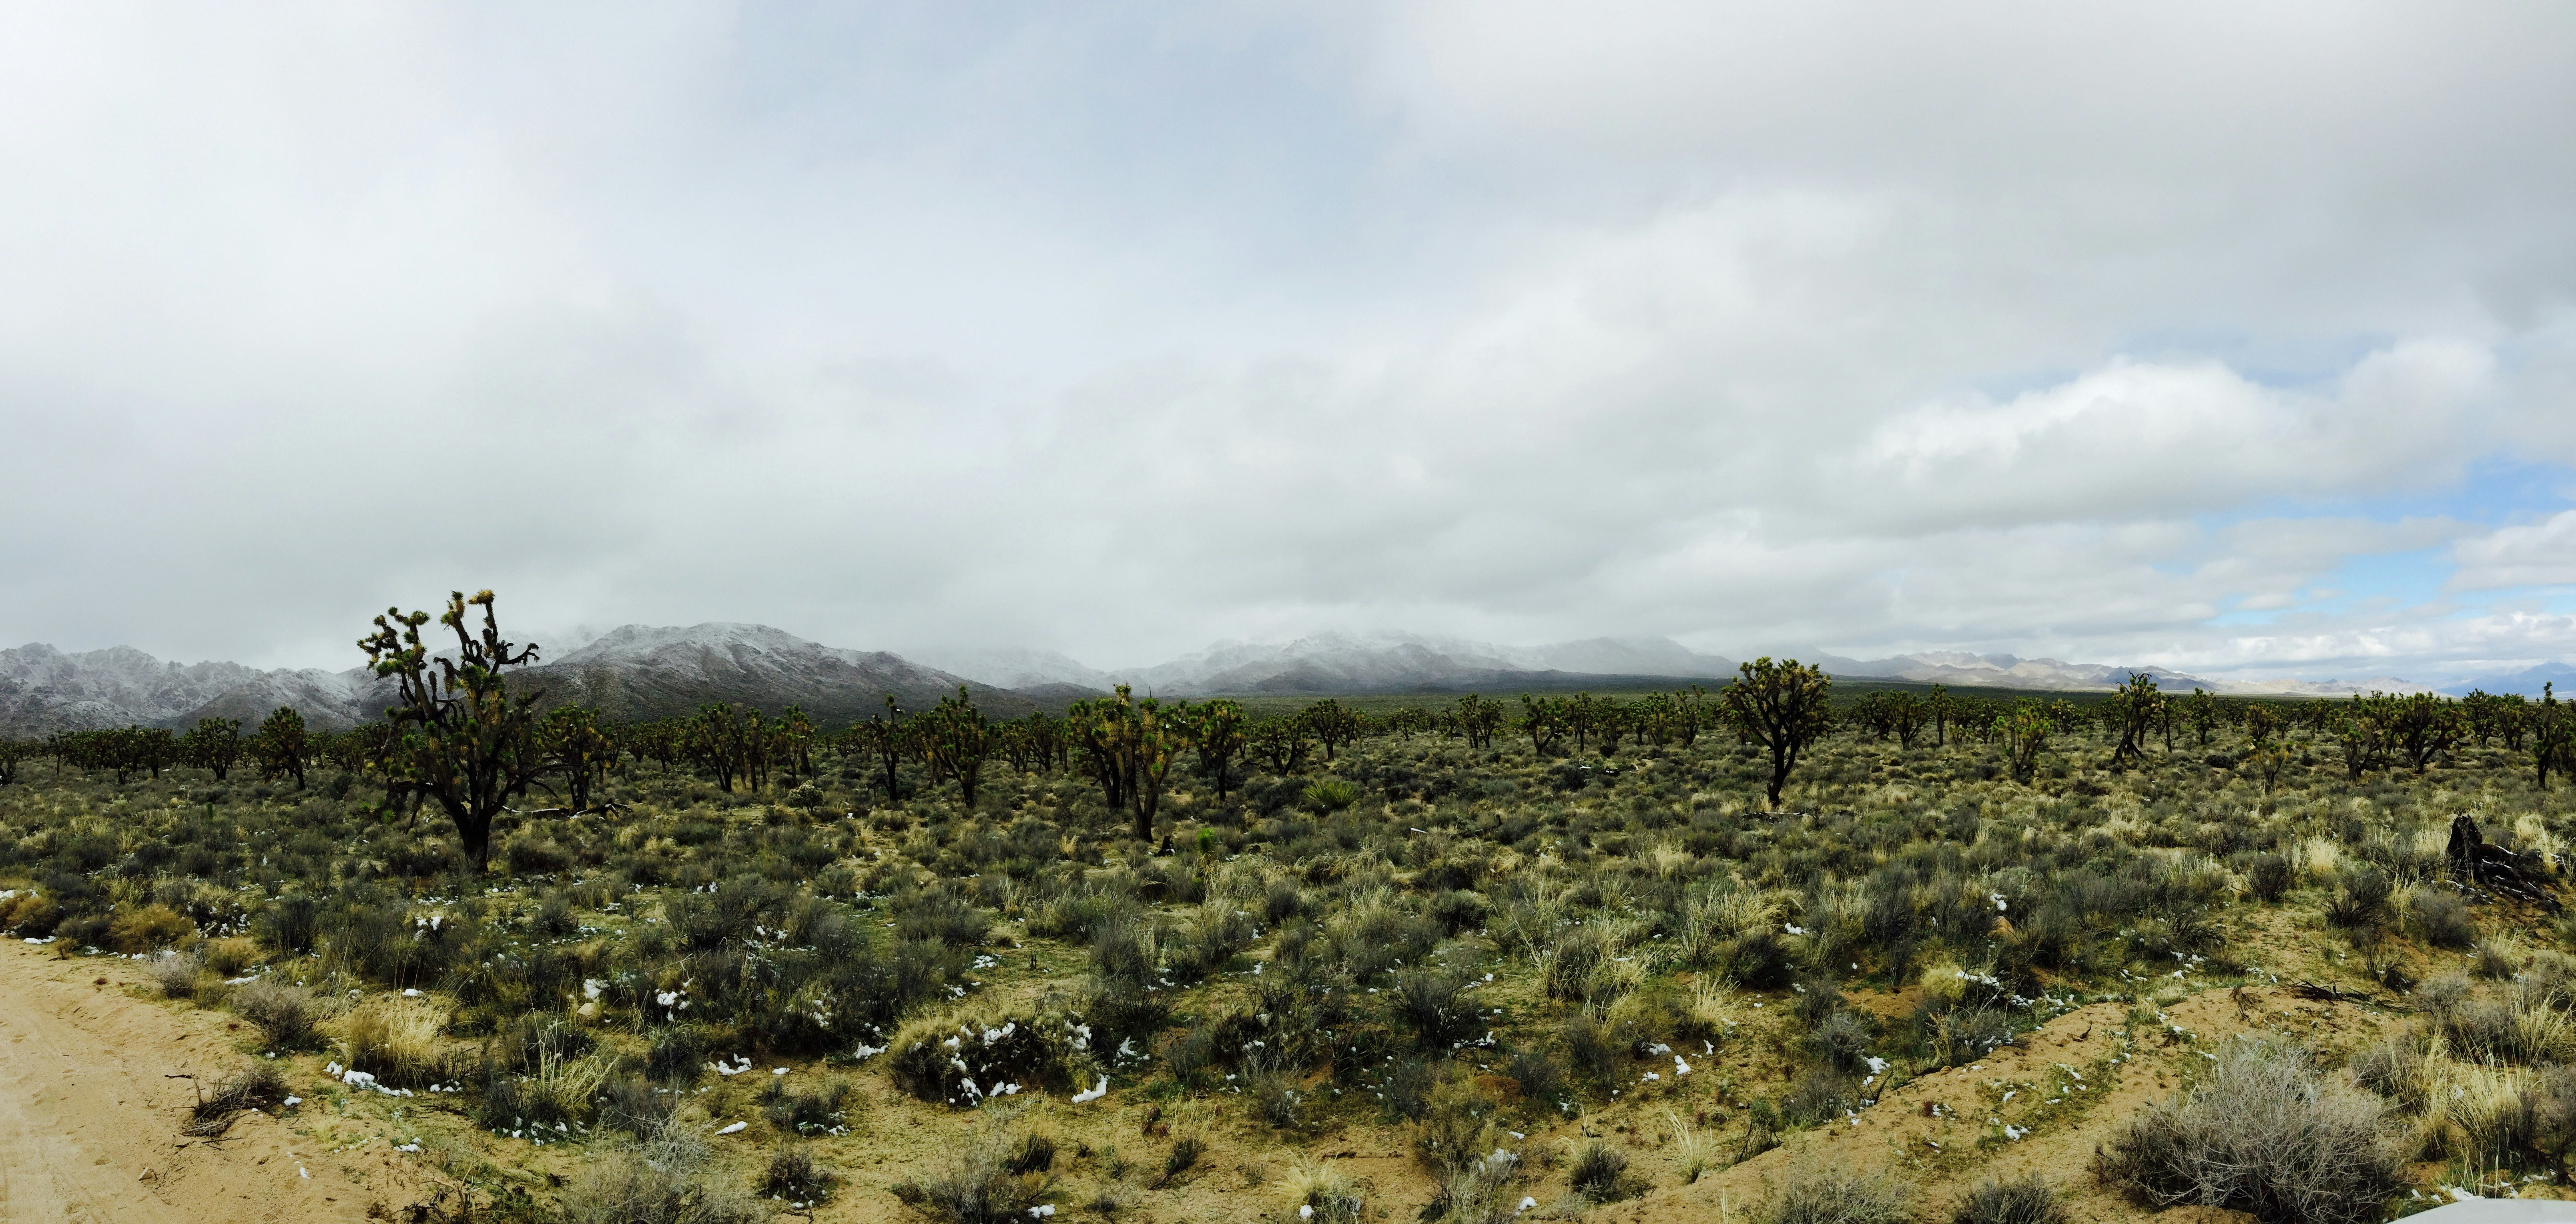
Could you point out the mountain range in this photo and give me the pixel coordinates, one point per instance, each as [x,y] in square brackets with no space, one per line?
[635,672]
[640,672]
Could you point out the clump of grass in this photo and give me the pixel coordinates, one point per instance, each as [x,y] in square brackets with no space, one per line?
[2441,919]
[793,1176]
[804,1113]
[1184,1155]
[176,974]
[634,1105]
[148,927]
[2027,1200]
[1600,1173]
[2498,958]
[284,1015]
[977,1189]
[2269,877]
[1327,1192]
[665,1180]
[231,956]
[1839,1198]
[396,1039]
[1692,1150]
[1033,1153]
[2263,1133]
[962,1063]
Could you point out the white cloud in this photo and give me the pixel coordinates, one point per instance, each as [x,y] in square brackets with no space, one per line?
[1119,332]
[2535,554]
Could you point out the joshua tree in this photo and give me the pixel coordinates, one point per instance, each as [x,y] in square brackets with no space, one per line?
[1478,719]
[577,747]
[281,745]
[956,738]
[1131,745]
[1906,715]
[2025,733]
[1280,743]
[884,736]
[721,743]
[1217,729]
[459,736]
[1333,725]
[2553,735]
[2135,710]
[1544,719]
[2364,736]
[1690,713]
[2201,711]
[2424,726]
[1781,706]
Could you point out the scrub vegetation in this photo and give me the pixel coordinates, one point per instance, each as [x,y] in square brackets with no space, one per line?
[1469,958]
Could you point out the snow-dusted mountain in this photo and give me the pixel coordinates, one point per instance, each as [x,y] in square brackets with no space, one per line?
[1402,662]
[1016,668]
[641,671]
[2006,671]
[43,690]
[634,672]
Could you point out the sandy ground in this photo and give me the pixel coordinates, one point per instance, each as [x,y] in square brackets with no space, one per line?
[90,1116]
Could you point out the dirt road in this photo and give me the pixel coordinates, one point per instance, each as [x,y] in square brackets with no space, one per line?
[89,1121]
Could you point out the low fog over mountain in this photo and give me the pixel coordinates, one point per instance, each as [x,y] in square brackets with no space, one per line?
[639,672]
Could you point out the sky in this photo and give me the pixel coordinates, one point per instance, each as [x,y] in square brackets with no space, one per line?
[2235,338]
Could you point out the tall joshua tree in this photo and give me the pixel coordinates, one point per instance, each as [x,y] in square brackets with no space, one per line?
[1781,706]
[459,737]
[578,748]
[281,744]
[956,737]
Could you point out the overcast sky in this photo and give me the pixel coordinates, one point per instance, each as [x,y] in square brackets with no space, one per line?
[2218,336]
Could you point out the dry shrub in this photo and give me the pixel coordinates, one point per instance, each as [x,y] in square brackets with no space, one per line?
[285,1015]
[793,1176]
[2441,919]
[1600,1173]
[257,1086]
[1328,1192]
[663,1181]
[231,956]
[1457,1127]
[977,1190]
[2028,1200]
[965,1063]
[174,974]
[396,1039]
[2264,1134]
[1839,1198]
[1480,1193]
[152,926]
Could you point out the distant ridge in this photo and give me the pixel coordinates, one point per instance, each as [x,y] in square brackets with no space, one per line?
[2006,671]
[633,672]
[1367,663]
[642,672]
[2528,682]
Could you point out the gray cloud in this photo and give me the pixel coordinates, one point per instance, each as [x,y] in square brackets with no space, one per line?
[2013,328]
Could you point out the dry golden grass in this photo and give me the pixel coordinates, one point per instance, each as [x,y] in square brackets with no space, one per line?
[397,1039]
[230,956]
